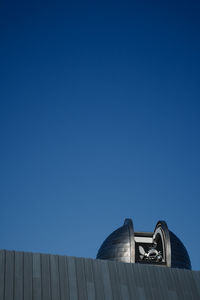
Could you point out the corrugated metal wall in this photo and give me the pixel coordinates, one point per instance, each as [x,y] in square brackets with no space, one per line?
[33,276]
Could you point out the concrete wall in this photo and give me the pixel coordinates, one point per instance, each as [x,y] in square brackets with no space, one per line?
[33,276]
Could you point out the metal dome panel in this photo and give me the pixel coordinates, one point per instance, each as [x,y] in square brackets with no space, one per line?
[179,255]
[162,247]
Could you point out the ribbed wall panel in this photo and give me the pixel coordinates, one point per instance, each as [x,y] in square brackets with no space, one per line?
[33,276]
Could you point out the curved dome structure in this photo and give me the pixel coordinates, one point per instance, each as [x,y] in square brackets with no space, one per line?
[162,247]
[117,246]
[179,255]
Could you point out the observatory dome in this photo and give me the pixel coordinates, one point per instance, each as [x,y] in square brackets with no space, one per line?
[161,247]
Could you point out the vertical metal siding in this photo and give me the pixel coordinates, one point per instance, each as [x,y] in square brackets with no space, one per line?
[89,277]
[28,276]
[98,280]
[18,275]
[55,282]
[106,280]
[2,272]
[73,288]
[63,278]
[45,277]
[9,275]
[37,289]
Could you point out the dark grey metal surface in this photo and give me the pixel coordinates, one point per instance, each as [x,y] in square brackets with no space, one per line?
[164,249]
[179,255]
[33,276]
[119,245]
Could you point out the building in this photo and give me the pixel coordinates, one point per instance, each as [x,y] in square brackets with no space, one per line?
[35,276]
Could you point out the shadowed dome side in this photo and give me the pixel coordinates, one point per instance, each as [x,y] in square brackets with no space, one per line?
[118,245]
[179,255]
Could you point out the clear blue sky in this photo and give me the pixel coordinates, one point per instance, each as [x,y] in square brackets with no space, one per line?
[99,121]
